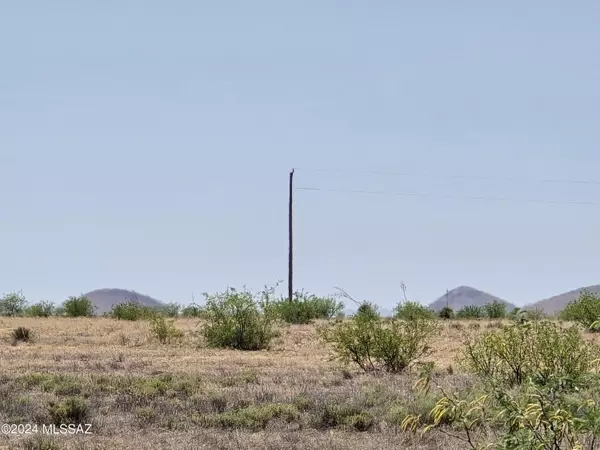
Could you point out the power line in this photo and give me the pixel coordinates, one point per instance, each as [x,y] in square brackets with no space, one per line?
[452,176]
[449,197]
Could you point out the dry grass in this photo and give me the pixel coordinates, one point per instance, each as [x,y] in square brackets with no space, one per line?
[138,393]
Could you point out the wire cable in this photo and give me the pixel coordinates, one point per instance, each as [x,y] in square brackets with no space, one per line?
[452,176]
[449,197]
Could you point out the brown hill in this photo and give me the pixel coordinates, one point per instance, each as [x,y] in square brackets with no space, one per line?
[557,303]
[464,296]
[105,299]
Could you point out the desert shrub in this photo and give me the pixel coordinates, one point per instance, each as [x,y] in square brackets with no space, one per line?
[40,309]
[412,311]
[538,350]
[305,308]
[585,310]
[495,309]
[131,310]
[12,304]
[529,417]
[192,310]
[171,309]
[239,320]
[373,346]
[164,330]
[74,410]
[368,310]
[471,312]
[446,313]
[78,307]
[21,334]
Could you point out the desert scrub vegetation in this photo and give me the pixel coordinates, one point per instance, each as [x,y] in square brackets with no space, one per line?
[132,310]
[537,386]
[164,330]
[12,304]
[306,308]
[413,311]
[585,310]
[40,309]
[373,345]
[541,350]
[78,307]
[239,319]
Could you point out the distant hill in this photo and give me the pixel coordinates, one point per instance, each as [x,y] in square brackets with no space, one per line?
[104,299]
[556,304]
[463,296]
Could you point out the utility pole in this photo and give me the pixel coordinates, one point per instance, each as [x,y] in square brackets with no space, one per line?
[446,298]
[291,240]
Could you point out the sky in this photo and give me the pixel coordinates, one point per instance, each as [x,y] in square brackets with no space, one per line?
[146,145]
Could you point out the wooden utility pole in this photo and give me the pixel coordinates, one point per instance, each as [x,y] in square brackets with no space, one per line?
[291,240]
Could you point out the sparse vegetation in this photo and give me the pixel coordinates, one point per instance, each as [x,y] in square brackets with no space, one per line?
[132,310]
[40,309]
[471,312]
[164,330]
[522,382]
[446,313]
[21,334]
[412,311]
[372,345]
[585,310]
[495,310]
[78,307]
[305,308]
[239,320]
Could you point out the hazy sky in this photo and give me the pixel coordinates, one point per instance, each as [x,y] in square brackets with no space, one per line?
[146,145]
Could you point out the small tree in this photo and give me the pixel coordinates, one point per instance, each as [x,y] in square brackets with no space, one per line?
[13,304]
[79,307]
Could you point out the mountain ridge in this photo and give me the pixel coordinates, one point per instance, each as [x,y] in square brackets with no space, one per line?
[104,299]
[462,296]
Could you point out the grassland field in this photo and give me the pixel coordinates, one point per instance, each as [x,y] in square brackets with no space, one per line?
[139,394]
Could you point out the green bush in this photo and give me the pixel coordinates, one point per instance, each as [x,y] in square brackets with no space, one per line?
[79,307]
[164,331]
[367,310]
[305,308]
[373,346]
[239,320]
[131,310]
[13,304]
[446,313]
[471,312]
[495,310]
[412,311]
[538,350]
[171,309]
[529,417]
[40,309]
[74,410]
[585,310]
[192,310]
